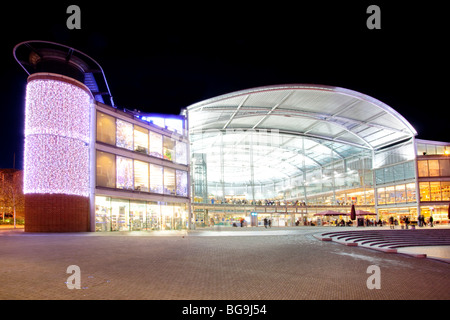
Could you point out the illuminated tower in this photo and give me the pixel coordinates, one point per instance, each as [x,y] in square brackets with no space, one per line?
[59,181]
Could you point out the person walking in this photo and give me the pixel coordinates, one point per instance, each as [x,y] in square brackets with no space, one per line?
[270,223]
[391,222]
[265,223]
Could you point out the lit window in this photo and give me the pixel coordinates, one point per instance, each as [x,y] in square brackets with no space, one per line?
[124,173]
[124,134]
[140,139]
[140,175]
[106,128]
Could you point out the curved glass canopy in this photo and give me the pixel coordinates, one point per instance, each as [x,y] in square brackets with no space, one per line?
[252,141]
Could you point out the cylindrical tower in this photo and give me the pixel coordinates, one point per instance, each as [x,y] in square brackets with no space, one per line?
[59,160]
[57,144]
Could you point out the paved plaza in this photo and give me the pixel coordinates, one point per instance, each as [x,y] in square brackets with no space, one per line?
[214,264]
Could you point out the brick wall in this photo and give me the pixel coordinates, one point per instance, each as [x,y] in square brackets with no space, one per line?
[56,213]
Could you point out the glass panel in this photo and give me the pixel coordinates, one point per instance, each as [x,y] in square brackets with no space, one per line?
[379,176]
[124,134]
[156,178]
[410,170]
[381,196]
[435,188]
[421,149]
[424,188]
[169,148]
[137,215]
[444,167]
[124,173]
[182,187]
[431,149]
[180,215]
[153,215]
[167,217]
[106,128]
[102,213]
[388,175]
[411,192]
[398,172]
[169,181]
[400,194]
[390,195]
[106,170]
[181,153]
[140,175]
[422,168]
[433,167]
[155,144]
[140,139]
[445,186]
[120,210]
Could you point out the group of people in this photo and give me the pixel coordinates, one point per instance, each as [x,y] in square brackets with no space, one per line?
[267,223]
[406,222]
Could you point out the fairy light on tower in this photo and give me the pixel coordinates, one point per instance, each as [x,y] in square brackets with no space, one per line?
[59,146]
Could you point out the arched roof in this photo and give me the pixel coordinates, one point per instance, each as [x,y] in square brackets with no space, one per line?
[316,125]
[324,112]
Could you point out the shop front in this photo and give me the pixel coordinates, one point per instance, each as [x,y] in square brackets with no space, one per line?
[114,214]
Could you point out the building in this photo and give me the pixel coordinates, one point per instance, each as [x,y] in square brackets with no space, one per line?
[11,195]
[297,154]
[89,165]
[292,153]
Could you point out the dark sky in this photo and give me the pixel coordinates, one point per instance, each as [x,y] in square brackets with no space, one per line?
[161,58]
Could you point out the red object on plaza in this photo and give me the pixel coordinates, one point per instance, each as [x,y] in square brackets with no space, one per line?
[353,213]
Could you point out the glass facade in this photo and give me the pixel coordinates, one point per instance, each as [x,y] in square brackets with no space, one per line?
[258,166]
[133,159]
[132,215]
[124,134]
[119,172]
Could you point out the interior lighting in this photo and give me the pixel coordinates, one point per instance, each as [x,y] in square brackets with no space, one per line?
[56,155]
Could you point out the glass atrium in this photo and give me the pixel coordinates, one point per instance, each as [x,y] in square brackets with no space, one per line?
[298,145]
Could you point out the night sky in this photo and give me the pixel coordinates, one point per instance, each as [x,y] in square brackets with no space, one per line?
[162,58]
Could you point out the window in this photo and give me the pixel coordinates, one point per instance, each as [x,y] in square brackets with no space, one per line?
[444,167]
[381,196]
[182,185]
[400,194]
[445,187]
[120,213]
[155,145]
[388,175]
[433,167]
[124,173]
[390,195]
[140,175]
[379,176]
[422,168]
[106,128]
[435,191]
[169,181]
[411,192]
[124,134]
[399,173]
[140,139]
[106,169]
[424,189]
[181,153]
[168,148]
[156,178]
